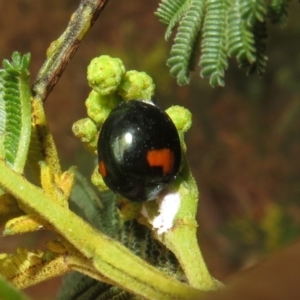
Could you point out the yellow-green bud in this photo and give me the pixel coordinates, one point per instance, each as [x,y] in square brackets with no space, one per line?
[104,74]
[181,117]
[136,85]
[99,106]
[85,130]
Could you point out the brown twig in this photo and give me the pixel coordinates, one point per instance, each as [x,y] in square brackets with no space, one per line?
[62,50]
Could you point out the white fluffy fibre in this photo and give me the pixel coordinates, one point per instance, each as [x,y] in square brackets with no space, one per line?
[168,206]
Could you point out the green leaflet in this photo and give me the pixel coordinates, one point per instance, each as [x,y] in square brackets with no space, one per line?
[240,37]
[247,34]
[260,30]
[176,18]
[15,111]
[278,11]
[213,60]
[182,51]
[134,236]
[168,9]
[253,10]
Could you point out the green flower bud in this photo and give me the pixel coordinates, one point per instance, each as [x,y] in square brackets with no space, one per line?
[104,74]
[181,117]
[99,106]
[136,85]
[85,130]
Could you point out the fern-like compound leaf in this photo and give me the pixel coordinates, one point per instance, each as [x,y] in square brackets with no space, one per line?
[260,35]
[176,18]
[182,50]
[247,34]
[225,28]
[241,42]
[15,111]
[213,61]
[168,9]
[253,11]
[278,11]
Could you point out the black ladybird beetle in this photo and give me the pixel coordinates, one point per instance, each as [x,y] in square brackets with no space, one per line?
[139,150]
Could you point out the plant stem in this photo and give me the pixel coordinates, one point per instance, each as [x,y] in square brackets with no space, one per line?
[109,257]
[190,257]
[182,238]
[62,50]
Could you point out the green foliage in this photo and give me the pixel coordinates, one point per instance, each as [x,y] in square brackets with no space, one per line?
[224,29]
[81,247]
[143,250]
[131,234]
[15,110]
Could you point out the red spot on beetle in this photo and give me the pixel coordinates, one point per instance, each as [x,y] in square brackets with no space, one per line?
[102,168]
[161,158]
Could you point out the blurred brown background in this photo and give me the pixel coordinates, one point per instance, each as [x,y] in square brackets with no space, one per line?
[243,147]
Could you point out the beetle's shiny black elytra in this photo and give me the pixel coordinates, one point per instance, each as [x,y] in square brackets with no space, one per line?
[139,150]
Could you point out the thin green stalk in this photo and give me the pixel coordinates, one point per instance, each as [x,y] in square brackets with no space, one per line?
[109,257]
[182,239]
[190,257]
